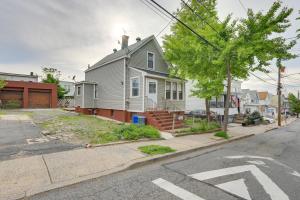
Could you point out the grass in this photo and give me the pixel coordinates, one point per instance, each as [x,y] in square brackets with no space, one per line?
[156,149]
[222,134]
[97,131]
[198,126]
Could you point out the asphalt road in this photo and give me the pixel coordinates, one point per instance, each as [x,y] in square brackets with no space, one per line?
[20,137]
[263,167]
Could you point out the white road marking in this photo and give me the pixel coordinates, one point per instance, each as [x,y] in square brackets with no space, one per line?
[237,187]
[247,156]
[256,162]
[175,190]
[270,187]
[295,173]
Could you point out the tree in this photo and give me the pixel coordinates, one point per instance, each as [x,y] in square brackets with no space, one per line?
[294,104]
[2,83]
[52,75]
[243,46]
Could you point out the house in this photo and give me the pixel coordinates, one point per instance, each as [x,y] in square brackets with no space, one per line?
[24,91]
[69,88]
[133,80]
[217,104]
[250,101]
[264,101]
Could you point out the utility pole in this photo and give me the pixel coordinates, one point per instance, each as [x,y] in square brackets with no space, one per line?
[279,91]
[228,95]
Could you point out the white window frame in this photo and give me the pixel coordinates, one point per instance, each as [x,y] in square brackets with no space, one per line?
[166,90]
[96,92]
[171,95]
[182,86]
[153,60]
[79,86]
[176,90]
[139,80]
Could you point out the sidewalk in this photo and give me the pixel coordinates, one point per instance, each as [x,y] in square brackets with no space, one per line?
[31,175]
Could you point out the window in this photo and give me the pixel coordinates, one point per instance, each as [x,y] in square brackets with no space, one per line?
[95,92]
[135,87]
[174,91]
[67,88]
[150,59]
[168,90]
[152,87]
[78,91]
[180,91]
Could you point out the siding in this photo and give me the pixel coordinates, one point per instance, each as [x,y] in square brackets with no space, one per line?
[109,79]
[161,102]
[78,99]
[136,103]
[88,96]
[139,58]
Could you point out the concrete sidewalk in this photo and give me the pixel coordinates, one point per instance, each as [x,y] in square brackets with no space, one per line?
[31,175]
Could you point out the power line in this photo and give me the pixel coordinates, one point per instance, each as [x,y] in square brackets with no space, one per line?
[156,12]
[185,25]
[204,6]
[243,6]
[199,16]
[262,79]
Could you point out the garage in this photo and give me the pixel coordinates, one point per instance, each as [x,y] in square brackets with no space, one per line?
[11,98]
[39,98]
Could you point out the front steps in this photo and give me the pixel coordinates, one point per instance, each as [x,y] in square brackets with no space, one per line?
[163,120]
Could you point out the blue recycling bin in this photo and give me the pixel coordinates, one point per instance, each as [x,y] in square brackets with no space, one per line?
[138,120]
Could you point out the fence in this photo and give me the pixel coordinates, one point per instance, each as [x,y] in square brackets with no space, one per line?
[66,103]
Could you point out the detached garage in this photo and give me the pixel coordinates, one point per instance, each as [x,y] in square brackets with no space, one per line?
[21,94]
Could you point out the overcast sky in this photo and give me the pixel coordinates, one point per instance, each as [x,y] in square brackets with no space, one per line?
[70,34]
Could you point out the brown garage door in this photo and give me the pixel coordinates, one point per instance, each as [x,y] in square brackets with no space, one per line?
[39,98]
[11,98]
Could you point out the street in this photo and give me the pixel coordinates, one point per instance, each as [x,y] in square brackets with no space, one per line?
[263,167]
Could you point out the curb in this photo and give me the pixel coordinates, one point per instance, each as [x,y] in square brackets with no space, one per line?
[129,166]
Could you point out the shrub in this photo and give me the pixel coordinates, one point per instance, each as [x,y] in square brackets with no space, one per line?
[135,132]
[156,149]
[12,104]
[222,134]
[203,126]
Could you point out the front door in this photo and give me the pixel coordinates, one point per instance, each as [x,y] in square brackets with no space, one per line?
[152,92]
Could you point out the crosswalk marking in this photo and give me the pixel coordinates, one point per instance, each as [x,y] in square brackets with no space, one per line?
[175,190]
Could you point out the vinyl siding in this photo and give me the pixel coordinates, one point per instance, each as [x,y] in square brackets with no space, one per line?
[109,79]
[78,99]
[139,58]
[88,96]
[135,103]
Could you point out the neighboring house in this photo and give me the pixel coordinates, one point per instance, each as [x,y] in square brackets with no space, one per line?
[274,104]
[24,91]
[217,104]
[69,87]
[250,101]
[264,101]
[133,80]
[19,77]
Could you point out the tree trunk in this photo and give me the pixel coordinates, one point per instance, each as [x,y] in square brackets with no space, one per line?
[227,101]
[207,109]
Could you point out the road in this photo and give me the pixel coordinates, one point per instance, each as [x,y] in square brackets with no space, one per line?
[263,167]
[20,137]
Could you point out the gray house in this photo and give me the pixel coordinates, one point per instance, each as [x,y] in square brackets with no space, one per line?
[132,80]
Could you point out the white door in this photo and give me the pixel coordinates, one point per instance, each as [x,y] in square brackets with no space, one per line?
[152,92]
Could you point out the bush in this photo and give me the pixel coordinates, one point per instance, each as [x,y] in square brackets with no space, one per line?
[253,118]
[12,104]
[203,126]
[156,149]
[135,132]
[222,134]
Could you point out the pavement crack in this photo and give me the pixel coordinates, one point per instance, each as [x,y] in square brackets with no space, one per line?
[51,181]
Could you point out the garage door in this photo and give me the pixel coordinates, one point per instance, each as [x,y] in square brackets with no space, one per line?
[11,98]
[39,98]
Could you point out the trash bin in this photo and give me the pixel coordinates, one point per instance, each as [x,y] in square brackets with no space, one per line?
[139,120]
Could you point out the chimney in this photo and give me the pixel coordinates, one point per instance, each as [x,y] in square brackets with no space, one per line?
[115,50]
[124,41]
[138,39]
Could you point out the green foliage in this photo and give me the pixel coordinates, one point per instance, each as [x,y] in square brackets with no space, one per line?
[2,83]
[222,134]
[12,104]
[135,132]
[294,103]
[156,149]
[51,75]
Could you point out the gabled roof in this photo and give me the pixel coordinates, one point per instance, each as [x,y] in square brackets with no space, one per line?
[262,95]
[121,53]
[151,72]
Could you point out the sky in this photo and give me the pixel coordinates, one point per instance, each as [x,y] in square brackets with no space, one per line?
[71,34]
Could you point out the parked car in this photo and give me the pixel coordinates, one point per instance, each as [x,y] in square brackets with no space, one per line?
[269,120]
[200,114]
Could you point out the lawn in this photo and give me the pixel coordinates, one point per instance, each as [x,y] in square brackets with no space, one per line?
[197,126]
[93,130]
[156,149]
